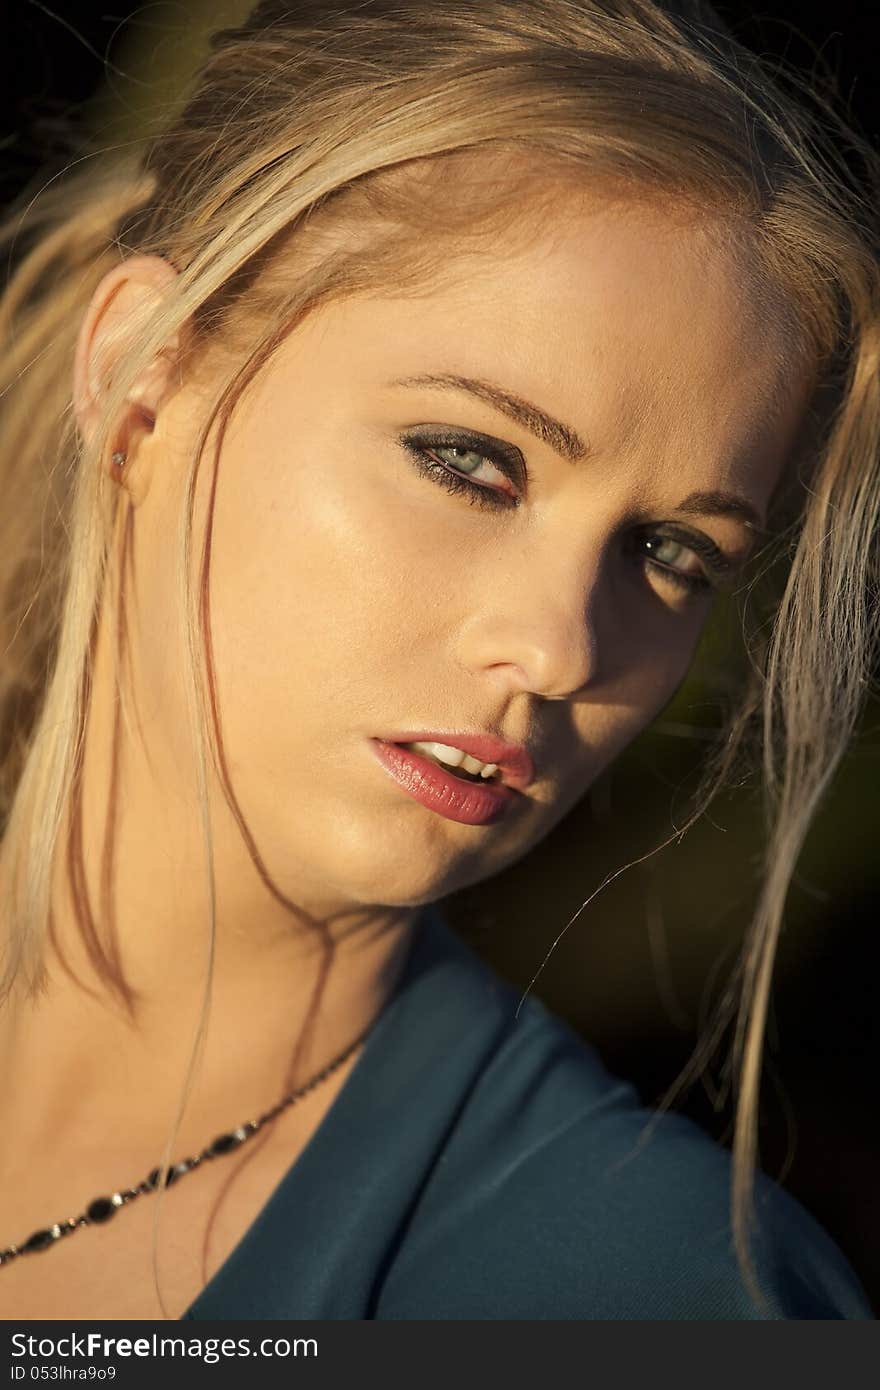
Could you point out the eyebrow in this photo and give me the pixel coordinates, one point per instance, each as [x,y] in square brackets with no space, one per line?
[566,441]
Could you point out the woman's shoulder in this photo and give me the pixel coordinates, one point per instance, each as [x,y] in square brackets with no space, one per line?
[557,1194]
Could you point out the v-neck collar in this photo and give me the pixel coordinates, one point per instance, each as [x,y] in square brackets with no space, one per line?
[314,1246]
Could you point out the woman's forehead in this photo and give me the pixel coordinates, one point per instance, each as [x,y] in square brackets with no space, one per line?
[644,334]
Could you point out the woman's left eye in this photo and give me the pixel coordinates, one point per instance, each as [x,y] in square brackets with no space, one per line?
[693,583]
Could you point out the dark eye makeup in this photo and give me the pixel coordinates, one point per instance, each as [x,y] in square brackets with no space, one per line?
[424,447]
[504,457]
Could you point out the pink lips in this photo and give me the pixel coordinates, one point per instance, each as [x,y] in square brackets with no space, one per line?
[514,762]
[470,803]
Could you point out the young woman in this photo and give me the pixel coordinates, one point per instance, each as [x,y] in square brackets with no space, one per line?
[375,441]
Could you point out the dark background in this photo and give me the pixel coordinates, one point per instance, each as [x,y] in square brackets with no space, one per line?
[637,971]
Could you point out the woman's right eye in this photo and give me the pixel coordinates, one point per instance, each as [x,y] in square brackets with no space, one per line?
[455,475]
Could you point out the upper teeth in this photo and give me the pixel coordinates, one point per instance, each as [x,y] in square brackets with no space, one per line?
[455,758]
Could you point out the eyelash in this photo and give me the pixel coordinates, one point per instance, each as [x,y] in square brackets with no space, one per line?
[420,448]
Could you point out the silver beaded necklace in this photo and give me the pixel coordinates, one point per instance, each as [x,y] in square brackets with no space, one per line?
[101,1209]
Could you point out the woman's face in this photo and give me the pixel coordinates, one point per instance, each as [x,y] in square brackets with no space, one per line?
[354,595]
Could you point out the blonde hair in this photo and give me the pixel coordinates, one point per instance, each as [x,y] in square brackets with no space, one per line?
[308,157]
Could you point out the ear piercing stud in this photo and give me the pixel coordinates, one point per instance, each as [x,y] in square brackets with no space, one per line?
[118,460]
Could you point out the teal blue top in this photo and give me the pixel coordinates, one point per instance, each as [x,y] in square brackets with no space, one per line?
[479,1165]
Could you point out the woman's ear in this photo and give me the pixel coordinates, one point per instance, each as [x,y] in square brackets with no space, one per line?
[124,299]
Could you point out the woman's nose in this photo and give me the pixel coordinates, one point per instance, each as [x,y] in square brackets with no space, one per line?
[538,631]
